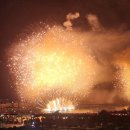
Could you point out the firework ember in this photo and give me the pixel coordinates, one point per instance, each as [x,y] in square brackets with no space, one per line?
[123,77]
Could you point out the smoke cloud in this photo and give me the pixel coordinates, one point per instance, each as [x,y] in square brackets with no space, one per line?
[111,50]
[69,18]
[94,22]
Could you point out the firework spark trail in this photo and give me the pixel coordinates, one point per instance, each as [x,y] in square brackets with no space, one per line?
[55,60]
[65,98]
[122,63]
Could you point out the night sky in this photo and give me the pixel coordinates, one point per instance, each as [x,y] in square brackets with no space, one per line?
[16,16]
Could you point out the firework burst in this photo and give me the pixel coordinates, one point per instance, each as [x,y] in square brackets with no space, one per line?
[51,62]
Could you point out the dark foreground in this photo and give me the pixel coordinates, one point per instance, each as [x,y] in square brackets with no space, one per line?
[59,121]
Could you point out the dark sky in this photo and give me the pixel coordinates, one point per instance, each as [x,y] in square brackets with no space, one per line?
[17,15]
